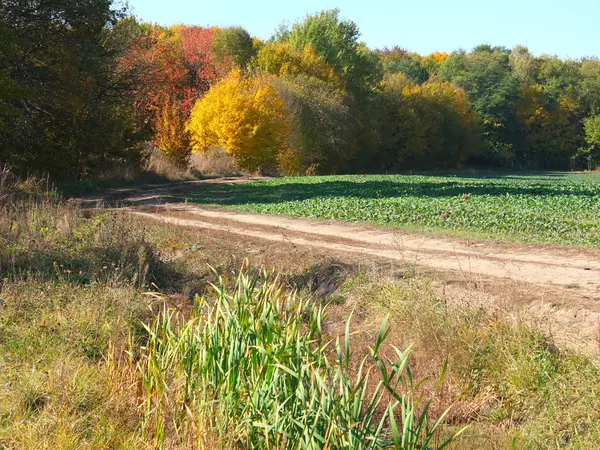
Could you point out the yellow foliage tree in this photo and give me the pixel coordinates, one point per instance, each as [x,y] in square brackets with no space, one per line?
[550,133]
[449,121]
[431,124]
[171,135]
[439,57]
[281,60]
[433,61]
[246,117]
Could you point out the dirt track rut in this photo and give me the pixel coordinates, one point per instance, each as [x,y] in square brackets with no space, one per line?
[555,266]
[556,288]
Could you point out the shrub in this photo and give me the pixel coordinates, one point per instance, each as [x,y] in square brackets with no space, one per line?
[246,117]
[215,162]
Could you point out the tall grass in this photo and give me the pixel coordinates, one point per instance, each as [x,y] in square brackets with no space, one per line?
[45,237]
[250,369]
[214,163]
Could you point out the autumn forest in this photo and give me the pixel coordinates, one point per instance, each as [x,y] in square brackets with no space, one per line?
[85,85]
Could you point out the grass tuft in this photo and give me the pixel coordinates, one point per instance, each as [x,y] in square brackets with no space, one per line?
[251,368]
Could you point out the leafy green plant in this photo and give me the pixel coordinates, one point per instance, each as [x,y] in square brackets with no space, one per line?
[557,208]
[251,368]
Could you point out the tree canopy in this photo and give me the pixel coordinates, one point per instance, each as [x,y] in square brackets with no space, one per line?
[84,85]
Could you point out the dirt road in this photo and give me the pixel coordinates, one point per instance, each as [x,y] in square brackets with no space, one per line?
[563,283]
[569,268]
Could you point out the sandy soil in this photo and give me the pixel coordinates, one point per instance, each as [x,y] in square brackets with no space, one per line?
[558,287]
[574,269]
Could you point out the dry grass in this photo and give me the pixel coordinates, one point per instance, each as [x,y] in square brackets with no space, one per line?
[155,168]
[215,163]
[66,380]
[511,380]
[56,391]
[43,238]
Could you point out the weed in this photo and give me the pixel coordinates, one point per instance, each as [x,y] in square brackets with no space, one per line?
[252,369]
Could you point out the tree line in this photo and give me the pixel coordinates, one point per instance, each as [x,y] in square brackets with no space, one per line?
[83,85]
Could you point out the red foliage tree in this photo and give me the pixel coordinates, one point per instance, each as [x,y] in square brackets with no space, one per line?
[173,68]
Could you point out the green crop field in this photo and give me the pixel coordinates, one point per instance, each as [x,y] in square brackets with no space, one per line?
[551,208]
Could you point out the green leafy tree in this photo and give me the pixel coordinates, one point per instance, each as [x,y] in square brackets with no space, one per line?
[235,44]
[592,138]
[74,115]
[11,92]
[487,48]
[493,90]
[398,60]
[589,87]
[336,41]
[559,78]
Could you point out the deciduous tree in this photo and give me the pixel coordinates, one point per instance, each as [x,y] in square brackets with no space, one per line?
[281,59]
[323,128]
[336,41]
[233,46]
[246,117]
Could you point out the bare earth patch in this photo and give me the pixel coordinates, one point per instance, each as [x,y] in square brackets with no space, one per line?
[556,288]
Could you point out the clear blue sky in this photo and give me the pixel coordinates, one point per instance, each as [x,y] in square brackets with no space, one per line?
[568,28]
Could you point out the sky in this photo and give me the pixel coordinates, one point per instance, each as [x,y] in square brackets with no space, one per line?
[568,28]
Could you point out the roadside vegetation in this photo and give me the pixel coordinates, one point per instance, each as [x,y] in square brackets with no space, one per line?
[113,337]
[121,333]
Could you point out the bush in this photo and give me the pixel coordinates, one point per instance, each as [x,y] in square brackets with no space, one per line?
[246,117]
